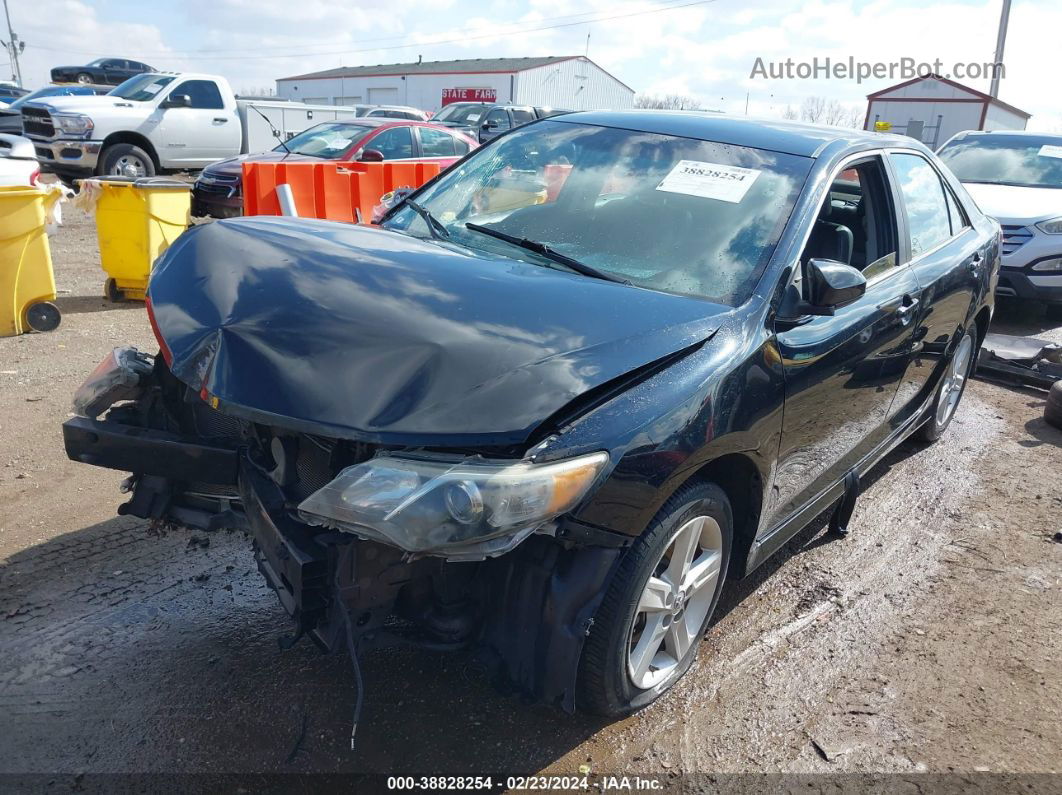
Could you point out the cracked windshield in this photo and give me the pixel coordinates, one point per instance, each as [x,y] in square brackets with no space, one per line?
[664,212]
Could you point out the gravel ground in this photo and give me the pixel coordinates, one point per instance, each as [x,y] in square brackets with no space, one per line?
[926,642]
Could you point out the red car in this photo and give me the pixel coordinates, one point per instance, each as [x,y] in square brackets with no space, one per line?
[218,192]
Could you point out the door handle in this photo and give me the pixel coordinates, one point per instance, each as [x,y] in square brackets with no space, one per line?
[220,119]
[908,304]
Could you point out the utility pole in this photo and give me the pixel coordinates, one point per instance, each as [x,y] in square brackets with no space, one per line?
[14,48]
[1001,41]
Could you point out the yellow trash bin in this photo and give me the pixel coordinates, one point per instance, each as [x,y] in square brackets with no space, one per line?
[137,220]
[27,283]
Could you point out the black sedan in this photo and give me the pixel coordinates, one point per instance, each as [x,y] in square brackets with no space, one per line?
[563,392]
[105,71]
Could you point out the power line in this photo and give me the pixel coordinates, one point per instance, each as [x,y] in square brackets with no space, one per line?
[460,39]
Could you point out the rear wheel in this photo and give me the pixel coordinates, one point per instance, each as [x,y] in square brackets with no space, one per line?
[952,385]
[649,626]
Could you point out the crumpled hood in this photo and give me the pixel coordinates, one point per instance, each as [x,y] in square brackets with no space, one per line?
[1010,204]
[359,332]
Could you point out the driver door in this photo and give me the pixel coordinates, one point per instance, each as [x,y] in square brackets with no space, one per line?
[198,135]
[842,371]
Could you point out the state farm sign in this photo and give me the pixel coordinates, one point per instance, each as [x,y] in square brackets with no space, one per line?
[468,95]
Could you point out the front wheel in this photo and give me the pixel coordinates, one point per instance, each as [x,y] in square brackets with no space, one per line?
[952,385]
[84,78]
[126,160]
[646,633]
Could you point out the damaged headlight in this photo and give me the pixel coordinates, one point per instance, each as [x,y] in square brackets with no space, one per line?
[425,504]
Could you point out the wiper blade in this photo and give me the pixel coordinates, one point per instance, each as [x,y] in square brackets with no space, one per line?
[435,226]
[549,253]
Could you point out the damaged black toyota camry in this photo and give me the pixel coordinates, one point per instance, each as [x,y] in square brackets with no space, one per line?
[559,394]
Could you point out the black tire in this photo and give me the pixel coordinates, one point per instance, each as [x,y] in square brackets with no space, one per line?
[935,426]
[112,292]
[1053,409]
[43,316]
[114,154]
[84,78]
[605,686]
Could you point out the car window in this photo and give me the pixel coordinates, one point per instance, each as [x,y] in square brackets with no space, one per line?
[923,196]
[955,213]
[856,223]
[522,116]
[461,146]
[436,143]
[203,93]
[329,140]
[690,217]
[395,143]
[1025,161]
[501,117]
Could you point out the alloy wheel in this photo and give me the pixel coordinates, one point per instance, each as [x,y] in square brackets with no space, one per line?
[954,379]
[675,602]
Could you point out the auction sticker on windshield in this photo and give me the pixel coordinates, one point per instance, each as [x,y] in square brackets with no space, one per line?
[1050,150]
[709,180]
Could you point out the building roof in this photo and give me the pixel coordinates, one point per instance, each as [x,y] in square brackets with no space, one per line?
[794,138]
[460,66]
[879,96]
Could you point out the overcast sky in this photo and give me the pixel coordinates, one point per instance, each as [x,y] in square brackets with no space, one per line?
[705,49]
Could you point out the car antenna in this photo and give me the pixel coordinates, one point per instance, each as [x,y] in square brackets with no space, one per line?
[276,132]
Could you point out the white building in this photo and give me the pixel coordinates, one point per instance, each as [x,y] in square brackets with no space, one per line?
[572,82]
[932,109]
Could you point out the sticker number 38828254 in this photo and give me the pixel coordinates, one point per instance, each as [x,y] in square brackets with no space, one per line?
[709,180]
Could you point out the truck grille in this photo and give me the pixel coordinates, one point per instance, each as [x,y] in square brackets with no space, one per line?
[1014,237]
[37,121]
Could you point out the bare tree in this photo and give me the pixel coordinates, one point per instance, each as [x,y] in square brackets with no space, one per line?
[819,110]
[667,102]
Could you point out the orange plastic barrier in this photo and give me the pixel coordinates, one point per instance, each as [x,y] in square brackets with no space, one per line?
[334,191]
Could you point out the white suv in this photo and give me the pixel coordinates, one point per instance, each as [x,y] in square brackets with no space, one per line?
[1016,177]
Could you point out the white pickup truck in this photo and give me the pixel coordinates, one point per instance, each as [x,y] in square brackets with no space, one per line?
[158,122]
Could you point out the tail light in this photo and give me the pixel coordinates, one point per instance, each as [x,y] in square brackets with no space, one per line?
[35,178]
[164,349]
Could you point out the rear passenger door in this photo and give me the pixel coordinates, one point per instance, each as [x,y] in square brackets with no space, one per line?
[440,145]
[945,254]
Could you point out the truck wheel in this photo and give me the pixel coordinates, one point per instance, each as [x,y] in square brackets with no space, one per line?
[1053,409]
[84,78]
[646,633]
[126,160]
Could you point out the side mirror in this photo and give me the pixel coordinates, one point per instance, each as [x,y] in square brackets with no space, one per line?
[490,124]
[371,156]
[831,284]
[177,101]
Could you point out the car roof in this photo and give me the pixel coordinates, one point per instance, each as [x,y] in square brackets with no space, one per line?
[794,138]
[1008,134]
